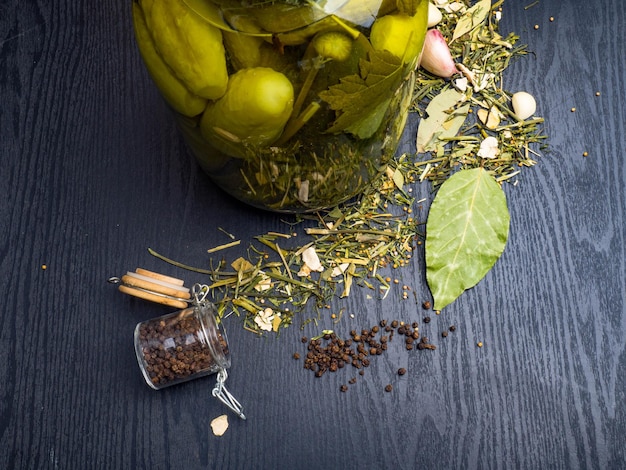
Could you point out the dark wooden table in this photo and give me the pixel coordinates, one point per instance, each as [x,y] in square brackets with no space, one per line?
[93,172]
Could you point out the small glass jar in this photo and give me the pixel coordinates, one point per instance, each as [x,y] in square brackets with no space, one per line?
[181,346]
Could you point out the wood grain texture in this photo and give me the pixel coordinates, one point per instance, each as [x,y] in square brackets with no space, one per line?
[93,172]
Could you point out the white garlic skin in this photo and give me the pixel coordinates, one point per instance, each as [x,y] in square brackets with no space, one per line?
[434,15]
[524,104]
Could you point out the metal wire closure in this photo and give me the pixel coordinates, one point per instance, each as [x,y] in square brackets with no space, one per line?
[200,293]
[221,392]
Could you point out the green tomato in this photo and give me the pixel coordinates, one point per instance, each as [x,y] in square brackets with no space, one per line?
[401,34]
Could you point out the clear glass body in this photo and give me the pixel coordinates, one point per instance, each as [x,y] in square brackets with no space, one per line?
[314,98]
[181,346]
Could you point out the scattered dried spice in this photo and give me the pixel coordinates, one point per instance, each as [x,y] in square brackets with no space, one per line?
[330,353]
[357,241]
[475,106]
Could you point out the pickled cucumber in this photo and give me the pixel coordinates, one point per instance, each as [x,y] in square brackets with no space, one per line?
[172,89]
[189,45]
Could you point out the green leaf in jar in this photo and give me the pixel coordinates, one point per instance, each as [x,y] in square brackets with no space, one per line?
[466,232]
[408,7]
[361,100]
[472,18]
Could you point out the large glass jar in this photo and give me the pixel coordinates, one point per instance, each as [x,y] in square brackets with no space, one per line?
[288,105]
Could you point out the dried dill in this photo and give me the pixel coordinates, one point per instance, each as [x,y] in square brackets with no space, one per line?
[353,243]
[483,105]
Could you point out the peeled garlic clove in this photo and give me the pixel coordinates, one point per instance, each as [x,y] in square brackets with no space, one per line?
[524,104]
[490,118]
[434,15]
[219,425]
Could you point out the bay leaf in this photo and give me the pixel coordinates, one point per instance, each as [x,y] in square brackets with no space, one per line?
[398,178]
[444,119]
[471,18]
[466,232]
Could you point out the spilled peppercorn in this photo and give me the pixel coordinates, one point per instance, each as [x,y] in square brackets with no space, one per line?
[329,353]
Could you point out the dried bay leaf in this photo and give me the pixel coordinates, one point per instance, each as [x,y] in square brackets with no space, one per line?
[466,232]
[472,18]
[444,119]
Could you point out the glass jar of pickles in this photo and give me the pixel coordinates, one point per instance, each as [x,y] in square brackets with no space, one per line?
[288,105]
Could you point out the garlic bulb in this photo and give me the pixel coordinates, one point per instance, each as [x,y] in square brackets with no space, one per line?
[524,105]
[436,57]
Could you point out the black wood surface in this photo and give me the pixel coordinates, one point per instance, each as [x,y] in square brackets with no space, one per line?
[93,172]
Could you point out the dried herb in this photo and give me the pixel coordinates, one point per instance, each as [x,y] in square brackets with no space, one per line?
[471,19]
[482,55]
[358,242]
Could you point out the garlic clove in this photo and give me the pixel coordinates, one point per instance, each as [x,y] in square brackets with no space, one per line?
[490,118]
[219,425]
[489,148]
[434,15]
[524,104]
[436,57]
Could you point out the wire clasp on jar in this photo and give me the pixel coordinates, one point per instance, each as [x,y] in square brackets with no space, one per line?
[221,392]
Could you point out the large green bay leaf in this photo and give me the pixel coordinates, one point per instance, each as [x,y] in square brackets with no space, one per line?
[466,232]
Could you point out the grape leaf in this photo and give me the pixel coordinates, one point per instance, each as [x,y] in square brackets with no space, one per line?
[361,100]
[442,121]
[466,232]
[408,7]
[472,18]
[212,15]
